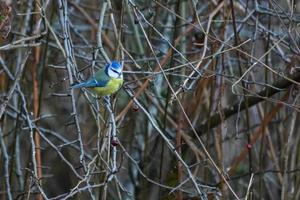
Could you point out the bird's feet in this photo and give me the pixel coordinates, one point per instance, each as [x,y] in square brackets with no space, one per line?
[106,100]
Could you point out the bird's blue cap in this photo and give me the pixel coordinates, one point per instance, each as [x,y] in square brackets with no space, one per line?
[115,65]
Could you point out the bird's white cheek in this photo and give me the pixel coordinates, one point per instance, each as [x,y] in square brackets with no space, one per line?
[113,74]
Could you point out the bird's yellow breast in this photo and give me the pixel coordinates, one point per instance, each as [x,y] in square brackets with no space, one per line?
[111,87]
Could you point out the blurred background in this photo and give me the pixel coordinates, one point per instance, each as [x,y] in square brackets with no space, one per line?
[209,108]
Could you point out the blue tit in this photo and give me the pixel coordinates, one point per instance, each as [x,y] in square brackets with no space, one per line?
[105,81]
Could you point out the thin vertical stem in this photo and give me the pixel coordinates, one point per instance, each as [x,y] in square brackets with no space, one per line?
[5,166]
[236,40]
[34,67]
[99,33]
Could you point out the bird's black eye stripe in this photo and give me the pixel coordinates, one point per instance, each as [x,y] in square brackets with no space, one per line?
[115,71]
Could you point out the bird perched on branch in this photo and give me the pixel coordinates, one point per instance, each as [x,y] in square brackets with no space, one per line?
[105,81]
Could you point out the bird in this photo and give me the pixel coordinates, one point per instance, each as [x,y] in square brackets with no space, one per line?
[106,81]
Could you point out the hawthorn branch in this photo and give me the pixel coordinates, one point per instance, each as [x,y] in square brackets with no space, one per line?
[256,98]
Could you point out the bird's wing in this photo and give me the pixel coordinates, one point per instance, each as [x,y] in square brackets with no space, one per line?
[91,83]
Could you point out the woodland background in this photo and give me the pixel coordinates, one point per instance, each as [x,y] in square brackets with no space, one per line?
[209,108]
